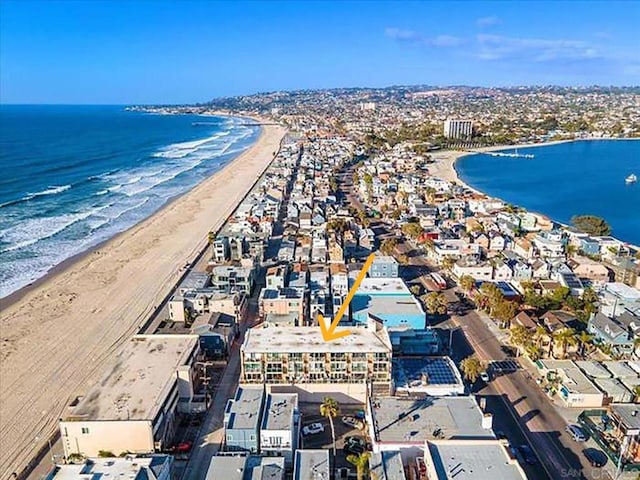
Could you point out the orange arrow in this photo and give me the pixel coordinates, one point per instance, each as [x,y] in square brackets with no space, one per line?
[329,333]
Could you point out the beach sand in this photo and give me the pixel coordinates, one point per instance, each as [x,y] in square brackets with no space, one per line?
[59,335]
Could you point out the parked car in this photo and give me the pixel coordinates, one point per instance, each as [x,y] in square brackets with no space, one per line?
[484,376]
[576,433]
[596,458]
[312,429]
[528,454]
[355,445]
[183,447]
[353,422]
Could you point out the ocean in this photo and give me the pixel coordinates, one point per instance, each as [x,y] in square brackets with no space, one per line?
[74,176]
[566,179]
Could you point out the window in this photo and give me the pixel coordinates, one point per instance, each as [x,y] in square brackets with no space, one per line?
[229,438]
[85,430]
[252,438]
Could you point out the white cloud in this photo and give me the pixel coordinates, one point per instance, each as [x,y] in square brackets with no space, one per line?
[415,38]
[488,21]
[496,47]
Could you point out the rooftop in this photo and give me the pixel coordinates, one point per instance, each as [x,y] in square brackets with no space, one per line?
[243,411]
[279,411]
[142,376]
[309,339]
[387,466]
[407,420]
[194,281]
[131,468]
[311,465]
[628,413]
[473,460]
[240,467]
[575,381]
[409,372]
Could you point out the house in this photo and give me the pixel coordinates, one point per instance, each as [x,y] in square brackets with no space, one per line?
[154,467]
[216,333]
[276,277]
[609,331]
[523,319]
[616,298]
[280,426]
[594,271]
[574,388]
[311,465]
[245,467]
[478,270]
[384,266]
[242,419]
[134,406]
[502,271]
[281,301]
[230,279]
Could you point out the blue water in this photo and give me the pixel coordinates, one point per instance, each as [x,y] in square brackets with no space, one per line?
[73,176]
[567,179]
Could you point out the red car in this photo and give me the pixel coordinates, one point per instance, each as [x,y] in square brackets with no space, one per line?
[183,447]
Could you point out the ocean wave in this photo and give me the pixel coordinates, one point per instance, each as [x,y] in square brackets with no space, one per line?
[34,230]
[182,149]
[30,196]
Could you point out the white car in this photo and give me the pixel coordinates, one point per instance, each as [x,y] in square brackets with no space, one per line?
[313,429]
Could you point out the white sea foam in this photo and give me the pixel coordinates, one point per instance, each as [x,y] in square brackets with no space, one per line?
[29,196]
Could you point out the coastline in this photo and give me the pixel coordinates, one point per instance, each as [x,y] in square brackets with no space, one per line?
[62,330]
[444,166]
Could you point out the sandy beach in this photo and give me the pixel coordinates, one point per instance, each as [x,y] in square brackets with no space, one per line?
[57,336]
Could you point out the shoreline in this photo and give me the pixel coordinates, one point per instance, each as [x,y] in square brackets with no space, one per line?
[62,330]
[68,263]
[445,167]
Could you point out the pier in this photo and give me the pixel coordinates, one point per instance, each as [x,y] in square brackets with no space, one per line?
[502,154]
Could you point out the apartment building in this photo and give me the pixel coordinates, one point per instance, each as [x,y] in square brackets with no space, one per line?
[300,356]
[230,279]
[458,129]
[133,407]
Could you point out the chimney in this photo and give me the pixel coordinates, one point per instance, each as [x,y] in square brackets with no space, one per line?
[487,421]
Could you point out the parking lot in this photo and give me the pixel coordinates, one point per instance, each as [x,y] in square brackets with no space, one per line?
[311,414]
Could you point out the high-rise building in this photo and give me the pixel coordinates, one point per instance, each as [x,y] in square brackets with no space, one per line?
[458,128]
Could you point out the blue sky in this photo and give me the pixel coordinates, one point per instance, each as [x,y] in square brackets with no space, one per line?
[186,51]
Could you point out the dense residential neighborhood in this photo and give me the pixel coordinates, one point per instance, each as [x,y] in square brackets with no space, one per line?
[485,341]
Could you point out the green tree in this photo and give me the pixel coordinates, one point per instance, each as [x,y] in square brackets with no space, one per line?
[361,462]
[467,283]
[471,368]
[520,337]
[504,311]
[591,224]
[584,340]
[534,352]
[388,245]
[415,289]
[412,230]
[329,409]
[436,303]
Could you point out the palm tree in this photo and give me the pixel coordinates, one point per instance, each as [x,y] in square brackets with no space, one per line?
[436,303]
[448,262]
[520,337]
[584,339]
[361,462]
[471,368]
[564,338]
[534,352]
[467,282]
[330,409]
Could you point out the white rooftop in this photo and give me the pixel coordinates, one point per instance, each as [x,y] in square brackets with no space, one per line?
[139,380]
[473,460]
[309,339]
[311,465]
[130,467]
